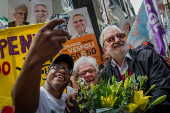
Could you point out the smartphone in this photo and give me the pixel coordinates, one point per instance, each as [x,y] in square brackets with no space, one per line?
[62,26]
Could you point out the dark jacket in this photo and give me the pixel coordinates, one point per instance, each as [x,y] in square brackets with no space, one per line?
[145,61]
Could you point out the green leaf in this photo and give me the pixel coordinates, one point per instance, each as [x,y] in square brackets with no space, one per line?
[158,100]
[150,89]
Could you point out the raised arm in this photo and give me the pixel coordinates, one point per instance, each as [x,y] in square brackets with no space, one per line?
[48,43]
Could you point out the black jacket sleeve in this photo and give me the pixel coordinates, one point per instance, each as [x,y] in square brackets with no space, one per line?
[158,73]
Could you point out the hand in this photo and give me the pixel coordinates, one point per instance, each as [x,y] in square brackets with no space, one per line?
[71,104]
[74,83]
[48,42]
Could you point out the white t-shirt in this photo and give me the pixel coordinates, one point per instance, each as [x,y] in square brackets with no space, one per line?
[49,104]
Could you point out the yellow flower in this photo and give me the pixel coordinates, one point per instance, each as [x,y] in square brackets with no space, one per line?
[108,101]
[139,101]
[132,107]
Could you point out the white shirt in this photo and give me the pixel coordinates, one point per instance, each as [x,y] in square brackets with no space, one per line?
[49,104]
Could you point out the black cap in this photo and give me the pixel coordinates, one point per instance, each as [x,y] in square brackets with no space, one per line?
[64,58]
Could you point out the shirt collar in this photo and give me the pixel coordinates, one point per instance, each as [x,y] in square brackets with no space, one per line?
[113,62]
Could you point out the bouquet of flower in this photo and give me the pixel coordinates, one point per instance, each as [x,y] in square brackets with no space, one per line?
[114,97]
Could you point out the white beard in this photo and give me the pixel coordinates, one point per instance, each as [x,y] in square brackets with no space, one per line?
[120,52]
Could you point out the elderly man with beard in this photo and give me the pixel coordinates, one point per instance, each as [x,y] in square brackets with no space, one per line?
[28,96]
[142,60]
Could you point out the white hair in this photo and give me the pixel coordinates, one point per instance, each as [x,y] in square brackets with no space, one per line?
[85,59]
[40,4]
[114,27]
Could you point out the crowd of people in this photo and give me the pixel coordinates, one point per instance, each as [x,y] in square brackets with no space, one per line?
[58,94]
[20,15]
[61,83]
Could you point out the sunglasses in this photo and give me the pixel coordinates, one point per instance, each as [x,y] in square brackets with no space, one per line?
[117,35]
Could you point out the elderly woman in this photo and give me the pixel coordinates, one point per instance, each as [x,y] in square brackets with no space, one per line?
[86,68]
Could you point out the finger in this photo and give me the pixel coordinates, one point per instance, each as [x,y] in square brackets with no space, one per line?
[68,109]
[60,32]
[57,46]
[54,35]
[74,96]
[58,40]
[69,103]
[58,35]
[52,24]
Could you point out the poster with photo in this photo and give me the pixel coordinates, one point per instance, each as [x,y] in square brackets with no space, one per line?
[26,12]
[82,37]
[18,12]
[41,11]
[79,23]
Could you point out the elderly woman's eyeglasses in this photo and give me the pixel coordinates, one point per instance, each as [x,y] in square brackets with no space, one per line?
[87,71]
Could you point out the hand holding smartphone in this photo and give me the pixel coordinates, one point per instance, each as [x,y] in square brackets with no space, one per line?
[62,26]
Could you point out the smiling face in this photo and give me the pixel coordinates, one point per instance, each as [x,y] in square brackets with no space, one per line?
[58,76]
[88,73]
[20,15]
[41,13]
[115,43]
[79,24]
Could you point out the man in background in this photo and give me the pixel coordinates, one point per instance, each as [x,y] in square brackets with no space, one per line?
[20,15]
[41,13]
[79,24]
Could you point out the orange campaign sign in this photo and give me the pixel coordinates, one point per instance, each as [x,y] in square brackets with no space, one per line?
[83,46]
